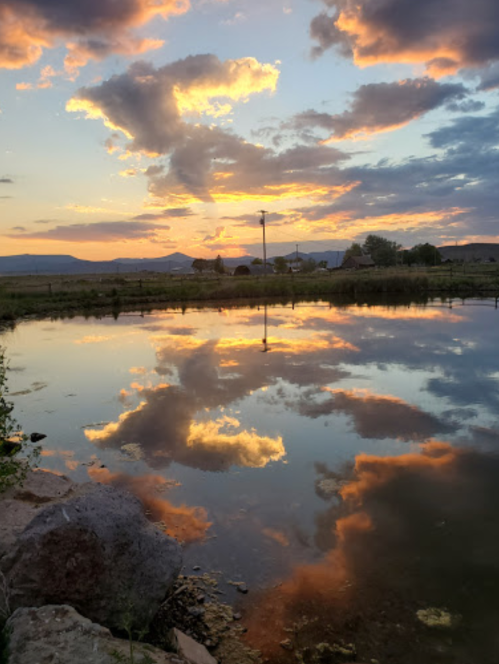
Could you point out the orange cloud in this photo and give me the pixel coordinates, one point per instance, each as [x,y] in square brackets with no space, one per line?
[99,28]
[186,524]
[406,532]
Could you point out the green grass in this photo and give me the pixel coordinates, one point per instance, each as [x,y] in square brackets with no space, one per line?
[57,296]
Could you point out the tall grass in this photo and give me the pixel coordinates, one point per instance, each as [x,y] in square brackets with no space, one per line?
[34,297]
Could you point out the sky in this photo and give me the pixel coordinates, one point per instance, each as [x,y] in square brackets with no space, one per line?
[139,128]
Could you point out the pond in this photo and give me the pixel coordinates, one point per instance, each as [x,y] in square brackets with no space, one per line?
[340,462]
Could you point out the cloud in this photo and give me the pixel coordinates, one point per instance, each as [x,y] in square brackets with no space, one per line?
[403,536]
[6,181]
[174,422]
[377,416]
[90,30]
[165,420]
[186,524]
[379,107]
[446,35]
[451,193]
[147,104]
[164,214]
[100,231]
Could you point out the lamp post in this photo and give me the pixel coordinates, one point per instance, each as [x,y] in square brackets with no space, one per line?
[262,223]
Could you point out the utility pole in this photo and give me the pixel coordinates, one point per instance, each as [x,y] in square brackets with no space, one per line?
[262,223]
[296,261]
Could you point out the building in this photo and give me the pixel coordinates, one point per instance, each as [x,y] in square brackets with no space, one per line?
[358,263]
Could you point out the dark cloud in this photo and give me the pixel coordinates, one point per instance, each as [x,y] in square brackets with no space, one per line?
[377,416]
[451,193]
[383,106]
[101,231]
[170,423]
[91,29]
[489,77]
[6,181]
[148,104]
[445,34]
[164,214]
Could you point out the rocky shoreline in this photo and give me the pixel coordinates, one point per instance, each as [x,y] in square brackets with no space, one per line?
[84,577]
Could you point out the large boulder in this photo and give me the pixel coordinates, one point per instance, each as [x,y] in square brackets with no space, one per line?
[58,634]
[20,504]
[98,553]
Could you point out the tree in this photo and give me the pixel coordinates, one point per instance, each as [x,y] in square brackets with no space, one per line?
[354,250]
[322,265]
[308,265]
[218,265]
[257,261]
[382,251]
[200,264]
[280,265]
[426,254]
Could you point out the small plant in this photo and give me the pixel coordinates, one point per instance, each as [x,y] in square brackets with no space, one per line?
[15,459]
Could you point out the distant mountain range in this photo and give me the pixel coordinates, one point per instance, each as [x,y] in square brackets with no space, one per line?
[176,263]
[179,263]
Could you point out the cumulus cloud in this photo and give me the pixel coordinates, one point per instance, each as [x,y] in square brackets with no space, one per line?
[447,35]
[100,231]
[379,107]
[93,29]
[147,104]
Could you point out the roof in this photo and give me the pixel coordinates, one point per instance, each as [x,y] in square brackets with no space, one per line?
[364,261]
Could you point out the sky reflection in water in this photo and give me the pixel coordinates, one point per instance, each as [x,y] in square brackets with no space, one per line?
[397,405]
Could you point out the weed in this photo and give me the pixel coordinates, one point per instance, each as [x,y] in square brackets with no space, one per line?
[15,458]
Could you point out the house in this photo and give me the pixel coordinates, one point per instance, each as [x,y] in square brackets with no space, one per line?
[358,263]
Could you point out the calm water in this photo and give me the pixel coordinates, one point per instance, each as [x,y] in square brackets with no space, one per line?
[242,453]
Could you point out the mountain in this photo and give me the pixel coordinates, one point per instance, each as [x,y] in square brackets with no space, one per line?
[177,263]
[471,252]
[333,258]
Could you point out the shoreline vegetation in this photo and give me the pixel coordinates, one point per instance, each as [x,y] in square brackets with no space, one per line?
[49,295]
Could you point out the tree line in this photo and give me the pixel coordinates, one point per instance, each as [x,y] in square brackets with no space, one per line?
[387,253]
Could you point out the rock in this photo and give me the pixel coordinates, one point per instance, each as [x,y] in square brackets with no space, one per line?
[20,504]
[193,652]
[37,437]
[287,644]
[57,634]
[242,589]
[329,486]
[434,617]
[98,553]
[41,486]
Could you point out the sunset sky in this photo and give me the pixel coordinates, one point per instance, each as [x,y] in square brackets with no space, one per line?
[137,128]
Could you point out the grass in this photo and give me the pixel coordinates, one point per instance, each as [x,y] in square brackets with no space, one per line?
[54,296]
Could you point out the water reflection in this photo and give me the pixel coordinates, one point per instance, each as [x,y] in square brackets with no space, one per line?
[187,524]
[411,532]
[345,408]
[374,415]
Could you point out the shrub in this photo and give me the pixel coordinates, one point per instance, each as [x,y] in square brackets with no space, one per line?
[15,456]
